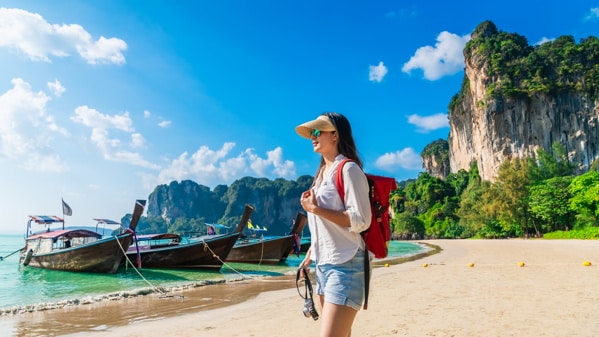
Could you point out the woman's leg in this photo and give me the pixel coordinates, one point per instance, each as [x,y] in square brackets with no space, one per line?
[336,320]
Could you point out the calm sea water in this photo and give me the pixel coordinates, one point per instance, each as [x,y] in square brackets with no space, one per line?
[21,285]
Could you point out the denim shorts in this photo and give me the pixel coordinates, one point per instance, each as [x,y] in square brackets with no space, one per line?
[342,284]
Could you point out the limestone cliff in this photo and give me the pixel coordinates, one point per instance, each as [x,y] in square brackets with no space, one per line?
[516,98]
[435,159]
[276,202]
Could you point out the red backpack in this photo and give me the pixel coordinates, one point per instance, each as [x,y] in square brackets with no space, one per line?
[378,235]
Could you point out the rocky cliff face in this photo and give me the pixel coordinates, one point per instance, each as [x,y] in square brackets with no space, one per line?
[276,202]
[186,199]
[435,159]
[489,129]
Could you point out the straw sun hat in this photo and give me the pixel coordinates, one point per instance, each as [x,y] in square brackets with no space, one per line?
[322,123]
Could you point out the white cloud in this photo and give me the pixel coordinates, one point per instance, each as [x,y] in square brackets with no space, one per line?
[137,140]
[95,119]
[377,73]
[213,167]
[32,35]
[543,40]
[56,88]
[112,148]
[445,58]
[406,159]
[164,124]
[274,159]
[147,114]
[27,130]
[429,123]
[593,14]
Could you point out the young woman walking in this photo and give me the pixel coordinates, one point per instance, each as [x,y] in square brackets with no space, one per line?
[337,248]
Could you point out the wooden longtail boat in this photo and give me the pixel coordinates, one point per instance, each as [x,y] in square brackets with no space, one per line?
[168,250]
[269,250]
[77,250]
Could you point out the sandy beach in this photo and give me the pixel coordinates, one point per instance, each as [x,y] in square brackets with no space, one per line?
[470,288]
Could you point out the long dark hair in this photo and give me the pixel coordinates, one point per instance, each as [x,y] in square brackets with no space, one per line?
[345,139]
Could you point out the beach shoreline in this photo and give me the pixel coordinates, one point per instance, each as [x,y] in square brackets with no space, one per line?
[469,288]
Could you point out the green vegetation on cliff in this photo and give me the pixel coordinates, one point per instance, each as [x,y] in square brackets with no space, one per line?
[516,69]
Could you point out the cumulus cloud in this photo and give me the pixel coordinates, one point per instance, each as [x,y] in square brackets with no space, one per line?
[405,159]
[97,120]
[27,130]
[38,39]
[593,14]
[111,147]
[56,88]
[429,123]
[377,73]
[137,140]
[164,124]
[212,167]
[445,58]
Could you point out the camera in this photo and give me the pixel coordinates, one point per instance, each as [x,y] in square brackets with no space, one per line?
[309,309]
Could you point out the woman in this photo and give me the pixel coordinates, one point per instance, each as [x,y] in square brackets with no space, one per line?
[337,247]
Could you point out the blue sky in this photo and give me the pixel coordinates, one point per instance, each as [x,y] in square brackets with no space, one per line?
[101,101]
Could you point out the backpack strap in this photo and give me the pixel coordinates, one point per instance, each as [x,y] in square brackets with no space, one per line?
[341,190]
[339,179]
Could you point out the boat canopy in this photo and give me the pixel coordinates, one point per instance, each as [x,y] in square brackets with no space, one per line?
[163,236]
[67,233]
[45,219]
[215,225]
[107,221]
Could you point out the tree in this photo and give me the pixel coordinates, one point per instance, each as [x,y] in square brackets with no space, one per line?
[508,196]
[552,164]
[584,201]
[407,226]
[471,213]
[549,203]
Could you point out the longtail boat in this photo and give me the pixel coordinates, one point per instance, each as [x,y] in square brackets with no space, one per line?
[78,250]
[170,251]
[269,250]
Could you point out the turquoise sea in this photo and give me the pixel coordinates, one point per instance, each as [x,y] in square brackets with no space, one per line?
[21,286]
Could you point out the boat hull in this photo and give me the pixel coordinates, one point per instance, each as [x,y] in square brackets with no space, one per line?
[102,256]
[267,251]
[208,253]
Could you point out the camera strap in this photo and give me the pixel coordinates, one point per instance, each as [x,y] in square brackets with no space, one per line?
[307,286]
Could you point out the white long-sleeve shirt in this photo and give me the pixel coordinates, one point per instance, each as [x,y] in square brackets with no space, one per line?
[332,243]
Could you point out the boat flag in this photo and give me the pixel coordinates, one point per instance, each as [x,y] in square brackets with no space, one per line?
[250,226]
[66,209]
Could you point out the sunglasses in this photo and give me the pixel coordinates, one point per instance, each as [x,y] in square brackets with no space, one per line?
[315,133]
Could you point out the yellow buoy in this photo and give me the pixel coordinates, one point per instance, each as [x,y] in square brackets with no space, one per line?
[386,265]
[425,265]
[586,263]
[520,264]
[471,264]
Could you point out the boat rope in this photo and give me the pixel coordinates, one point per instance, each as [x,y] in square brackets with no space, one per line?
[243,276]
[16,251]
[214,255]
[160,290]
[262,253]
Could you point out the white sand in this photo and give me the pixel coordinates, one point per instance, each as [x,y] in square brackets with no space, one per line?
[552,295]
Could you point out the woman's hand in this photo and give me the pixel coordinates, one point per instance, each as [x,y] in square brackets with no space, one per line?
[305,265]
[308,201]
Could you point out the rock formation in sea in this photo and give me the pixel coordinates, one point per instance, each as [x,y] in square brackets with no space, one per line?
[276,202]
